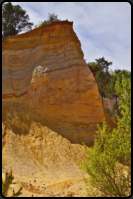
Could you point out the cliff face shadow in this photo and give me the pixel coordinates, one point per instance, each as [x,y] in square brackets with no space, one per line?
[20,119]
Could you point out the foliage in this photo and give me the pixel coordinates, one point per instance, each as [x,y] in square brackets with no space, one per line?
[123,90]
[110,89]
[104,64]
[6,185]
[102,79]
[108,162]
[51,19]
[100,63]
[14,20]
[125,73]
[111,93]
[116,71]
[93,66]
[41,24]
[116,111]
[102,76]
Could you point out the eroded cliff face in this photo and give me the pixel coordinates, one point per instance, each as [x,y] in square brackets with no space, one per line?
[39,158]
[41,151]
[45,79]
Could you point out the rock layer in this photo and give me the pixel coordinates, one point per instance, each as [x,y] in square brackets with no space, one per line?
[45,79]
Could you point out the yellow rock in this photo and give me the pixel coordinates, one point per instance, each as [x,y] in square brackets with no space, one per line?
[45,79]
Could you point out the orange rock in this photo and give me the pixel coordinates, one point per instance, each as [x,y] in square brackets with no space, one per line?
[45,79]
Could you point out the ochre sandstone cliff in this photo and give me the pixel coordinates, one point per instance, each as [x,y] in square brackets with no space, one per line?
[45,79]
[50,104]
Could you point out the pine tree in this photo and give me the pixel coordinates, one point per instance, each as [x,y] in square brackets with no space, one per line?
[14,20]
[104,64]
[102,74]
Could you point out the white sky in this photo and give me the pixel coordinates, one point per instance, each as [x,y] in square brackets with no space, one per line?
[103,28]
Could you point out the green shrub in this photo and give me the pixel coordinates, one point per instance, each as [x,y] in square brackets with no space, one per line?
[108,162]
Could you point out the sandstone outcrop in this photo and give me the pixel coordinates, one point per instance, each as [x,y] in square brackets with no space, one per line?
[45,79]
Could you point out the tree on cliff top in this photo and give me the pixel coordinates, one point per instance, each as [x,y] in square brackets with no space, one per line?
[14,20]
[51,19]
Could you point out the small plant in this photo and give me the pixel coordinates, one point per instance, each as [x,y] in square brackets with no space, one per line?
[6,185]
[18,192]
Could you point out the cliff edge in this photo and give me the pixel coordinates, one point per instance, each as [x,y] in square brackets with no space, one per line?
[45,79]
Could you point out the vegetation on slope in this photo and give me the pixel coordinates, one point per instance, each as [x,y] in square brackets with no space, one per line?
[52,18]
[108,162]
[106,81]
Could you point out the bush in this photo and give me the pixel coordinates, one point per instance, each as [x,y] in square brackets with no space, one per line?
[108,162]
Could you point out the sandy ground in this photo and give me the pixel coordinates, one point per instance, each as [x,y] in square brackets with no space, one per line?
[47,187]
